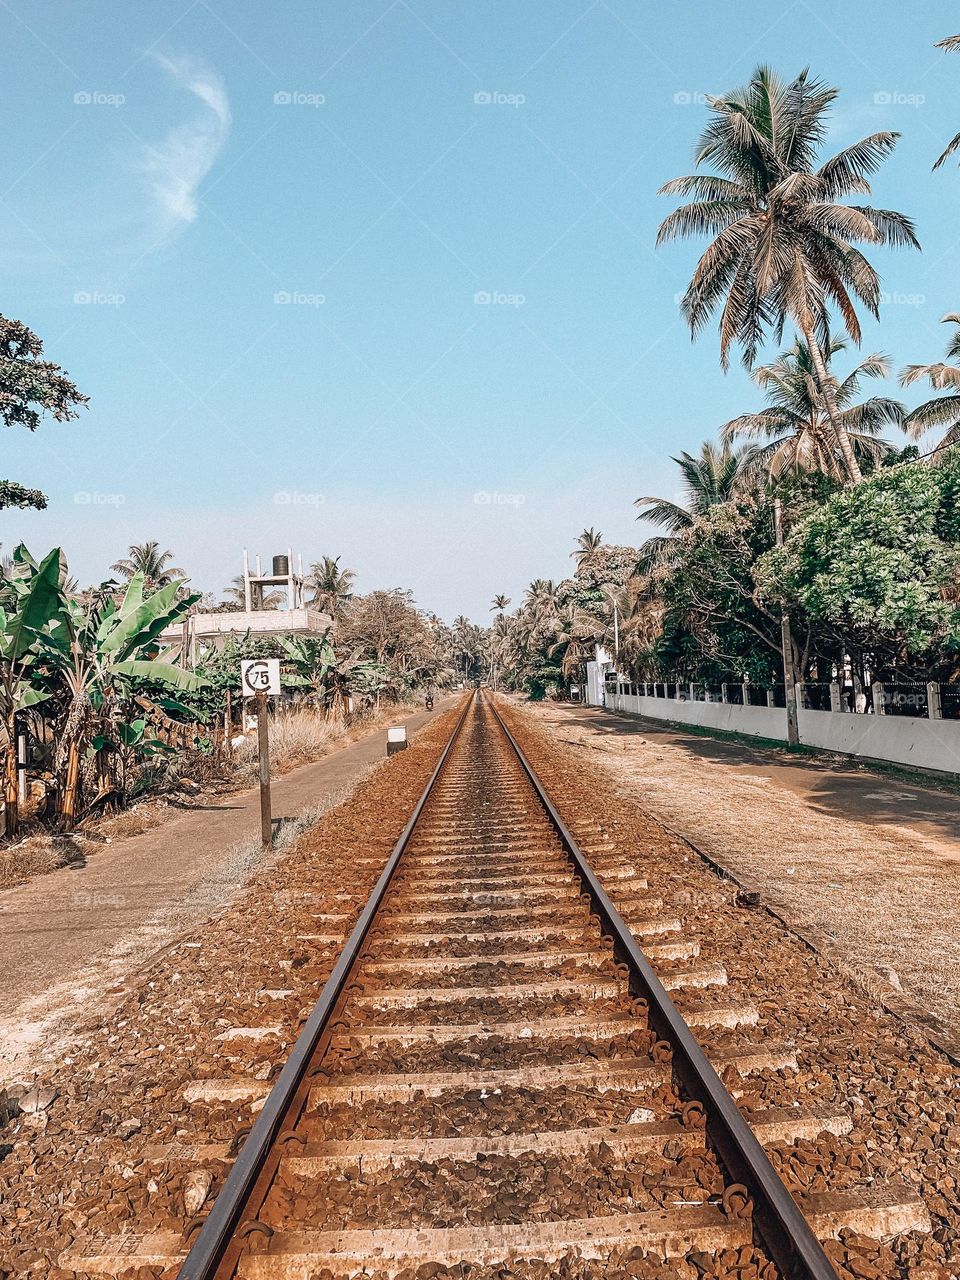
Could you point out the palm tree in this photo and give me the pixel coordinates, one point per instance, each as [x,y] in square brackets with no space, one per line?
[237,595]
[154,564]
[717,475]
[587,546]
[783,247]
[467,643]
[540,599]
[944,411]
[576,634]
[499,603]
[795,419]
[951,45]
[332,586]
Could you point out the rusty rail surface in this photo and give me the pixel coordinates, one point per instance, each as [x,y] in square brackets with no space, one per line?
[215,1235]
[785,1231]
[780,1224]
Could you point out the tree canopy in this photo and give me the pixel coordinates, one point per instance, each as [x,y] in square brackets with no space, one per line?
[30,386]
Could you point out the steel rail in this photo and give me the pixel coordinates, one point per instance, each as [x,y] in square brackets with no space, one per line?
[786,1233]
[215,1235]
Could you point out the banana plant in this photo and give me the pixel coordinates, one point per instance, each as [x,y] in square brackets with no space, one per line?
[313,665]
[105,652]
[31,598]
[308,662]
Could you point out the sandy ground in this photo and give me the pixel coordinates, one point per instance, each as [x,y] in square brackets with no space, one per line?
[863,865]
[72,939]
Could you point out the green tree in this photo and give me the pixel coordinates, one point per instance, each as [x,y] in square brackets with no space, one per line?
[31,598]
[795,422]
[385,630]
[106,653]
[878,569]
[783,247]
[951,45]
[714,476]
[30,387]
[942,411]
[711,621]
[152,564]
[588,544]
[17,495]
[332,586]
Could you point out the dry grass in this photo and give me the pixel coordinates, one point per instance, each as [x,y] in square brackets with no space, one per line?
[303,735]
[132,822]
[297,737]
[42,851]
[35,856]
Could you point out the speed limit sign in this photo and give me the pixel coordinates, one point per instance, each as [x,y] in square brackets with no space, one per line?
[259,675]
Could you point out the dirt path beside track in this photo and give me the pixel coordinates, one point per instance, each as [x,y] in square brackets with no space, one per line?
[75,936]
[867,867]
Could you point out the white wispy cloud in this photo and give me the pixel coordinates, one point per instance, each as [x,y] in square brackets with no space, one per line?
[177,165]
[83,229]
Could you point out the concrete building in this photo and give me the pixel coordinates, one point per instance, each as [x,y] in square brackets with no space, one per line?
[204,631]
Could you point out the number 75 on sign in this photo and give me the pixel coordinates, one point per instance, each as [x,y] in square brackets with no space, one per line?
[259,675]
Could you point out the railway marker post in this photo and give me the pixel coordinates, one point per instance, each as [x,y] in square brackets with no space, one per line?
[260,677]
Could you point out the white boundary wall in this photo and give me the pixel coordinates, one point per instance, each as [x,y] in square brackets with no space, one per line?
[907,740]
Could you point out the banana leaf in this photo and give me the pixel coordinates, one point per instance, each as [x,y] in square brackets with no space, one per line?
[39,603]
[136,629]
[160,673]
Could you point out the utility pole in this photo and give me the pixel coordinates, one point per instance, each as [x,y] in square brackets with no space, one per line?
[786,645]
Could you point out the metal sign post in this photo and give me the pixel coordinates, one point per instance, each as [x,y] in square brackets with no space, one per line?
[786,646]
[263,742]
[259,678]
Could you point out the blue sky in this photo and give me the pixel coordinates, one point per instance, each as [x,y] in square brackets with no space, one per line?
[261,239]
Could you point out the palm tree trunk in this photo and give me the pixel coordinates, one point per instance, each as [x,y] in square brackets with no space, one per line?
[10,791]
[826,391]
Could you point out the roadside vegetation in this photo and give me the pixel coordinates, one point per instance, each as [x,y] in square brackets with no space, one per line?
[827,500]
[97,715]
[869,566]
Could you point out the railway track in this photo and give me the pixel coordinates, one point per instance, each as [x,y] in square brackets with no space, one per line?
[497,1079]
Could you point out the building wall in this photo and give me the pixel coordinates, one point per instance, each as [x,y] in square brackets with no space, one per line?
[910,740]
[758,722]
[907,740]
[594,684]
